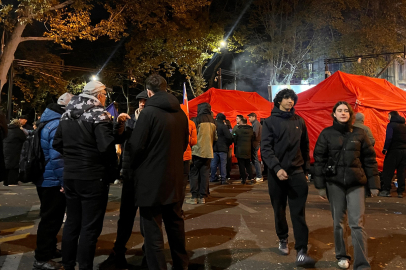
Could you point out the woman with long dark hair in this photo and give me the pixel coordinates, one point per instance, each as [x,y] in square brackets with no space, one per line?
[345,161]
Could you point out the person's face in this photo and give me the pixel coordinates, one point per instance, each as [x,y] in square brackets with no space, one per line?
[389,117]
[102,97]
[238,120]
[141,103]
[22,121]
[342,114]
[286,104]
[251,118]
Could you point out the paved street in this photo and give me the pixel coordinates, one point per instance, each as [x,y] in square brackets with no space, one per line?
[233,230]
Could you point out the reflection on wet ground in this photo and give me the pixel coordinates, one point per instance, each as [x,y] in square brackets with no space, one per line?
[233,230]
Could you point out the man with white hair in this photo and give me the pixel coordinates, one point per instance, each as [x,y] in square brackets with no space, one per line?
[85,139]
[359,122]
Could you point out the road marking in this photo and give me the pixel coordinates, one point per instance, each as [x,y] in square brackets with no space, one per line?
[9,193]
[12,262]
[14,237]
[35,207]
[13,230]
[246,208]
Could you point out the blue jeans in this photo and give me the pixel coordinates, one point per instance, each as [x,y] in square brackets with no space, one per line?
[219,157]
[255,161]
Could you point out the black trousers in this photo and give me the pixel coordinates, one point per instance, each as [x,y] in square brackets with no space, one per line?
[244,164]
[229,162]
[11,177]
[53,205]
[199,177]
[86,202]
[394,160]
[186,171]
[294,190]
[128,210]
[151,224]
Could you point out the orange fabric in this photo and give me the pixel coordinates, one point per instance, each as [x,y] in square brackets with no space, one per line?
[375,98]
[192,136]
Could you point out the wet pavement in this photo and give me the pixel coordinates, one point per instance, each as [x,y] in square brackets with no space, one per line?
[233,230]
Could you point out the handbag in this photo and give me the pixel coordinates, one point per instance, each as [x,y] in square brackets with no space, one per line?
[330,168]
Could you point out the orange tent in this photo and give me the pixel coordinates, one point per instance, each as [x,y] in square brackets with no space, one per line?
[375,98]
[232,103]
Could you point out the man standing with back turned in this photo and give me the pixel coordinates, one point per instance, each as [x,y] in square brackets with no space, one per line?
[285,149]
[157,155]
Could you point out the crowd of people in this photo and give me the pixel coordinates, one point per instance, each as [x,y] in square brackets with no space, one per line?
[162,150]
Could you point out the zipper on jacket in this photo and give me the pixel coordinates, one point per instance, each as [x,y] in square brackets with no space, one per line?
[345,165]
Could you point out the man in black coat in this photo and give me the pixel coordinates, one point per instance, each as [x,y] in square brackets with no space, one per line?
[220,149]
[243,139]
[285,149]
[157,149]
[257,127]
[395,151]
[85,139]
[3,134]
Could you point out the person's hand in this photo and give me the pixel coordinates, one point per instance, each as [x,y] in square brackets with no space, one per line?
[374,192]
[384,151]
[323,194]
[282,175]
[123,117]
[62,190]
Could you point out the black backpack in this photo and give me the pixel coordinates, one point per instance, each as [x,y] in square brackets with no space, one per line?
[32,159]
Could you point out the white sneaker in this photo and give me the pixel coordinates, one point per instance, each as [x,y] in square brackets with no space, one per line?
[344,264]
[116,182]
[259,179]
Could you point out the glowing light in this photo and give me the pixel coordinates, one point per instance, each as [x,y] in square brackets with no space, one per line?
[223,43]
[94,78]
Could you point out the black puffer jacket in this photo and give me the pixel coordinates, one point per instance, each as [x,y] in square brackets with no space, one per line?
[224,138]
[243,140]
[12,146]
[395,134]
[357,164]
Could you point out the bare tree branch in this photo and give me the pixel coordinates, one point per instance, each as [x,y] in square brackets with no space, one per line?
[62,5]
[36,39]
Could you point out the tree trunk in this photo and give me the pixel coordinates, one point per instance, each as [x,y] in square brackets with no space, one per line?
[7,57]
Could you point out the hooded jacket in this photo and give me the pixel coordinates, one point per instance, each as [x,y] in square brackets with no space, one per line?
[285,143]
[53,175]
[12,146]
[87,155]
[157,146]
[192,136]
[357,165]
[243,140]
[224,137]
[395,134]
[206,132]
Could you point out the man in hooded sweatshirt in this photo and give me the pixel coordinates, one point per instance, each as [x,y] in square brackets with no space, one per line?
[85,139]
[157,147]
[202,152]
[285,149]
[220,150]
[395,151]
[50,189]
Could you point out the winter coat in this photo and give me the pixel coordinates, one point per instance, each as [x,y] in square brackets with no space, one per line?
[157,146]
[12,146]
[224,138]
[206,132]
[285,143]
[53,175]
[122,133]
[192,136]
[395,134]
[360,124]
[87,155]
[243,140]
[256,125]
[357,164]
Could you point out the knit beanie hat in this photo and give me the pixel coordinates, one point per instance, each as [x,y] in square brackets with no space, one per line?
[93,87]
[64,99]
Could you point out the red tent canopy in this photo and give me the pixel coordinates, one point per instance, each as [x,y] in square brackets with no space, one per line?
[375,98]
[232,103]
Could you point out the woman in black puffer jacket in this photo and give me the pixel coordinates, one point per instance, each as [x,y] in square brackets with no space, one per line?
[355,166]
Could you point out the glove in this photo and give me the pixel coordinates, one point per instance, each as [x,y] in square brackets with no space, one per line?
[374,192]
[323,193]
[384,151]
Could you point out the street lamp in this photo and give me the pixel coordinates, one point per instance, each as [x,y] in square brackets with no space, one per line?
[223,43]
[94,78]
